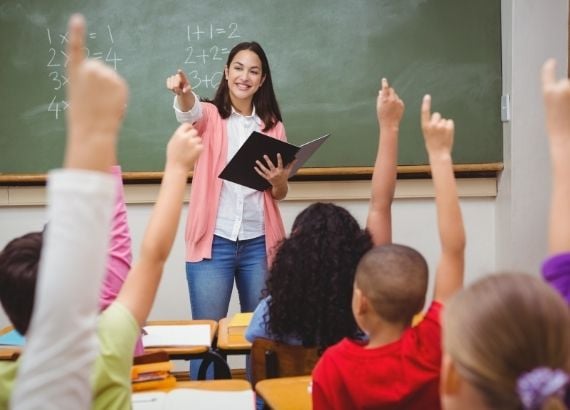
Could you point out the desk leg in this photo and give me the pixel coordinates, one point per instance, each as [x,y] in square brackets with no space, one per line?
[221,367]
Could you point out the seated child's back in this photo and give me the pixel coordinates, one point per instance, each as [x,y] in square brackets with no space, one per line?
[356,374]
[399,366]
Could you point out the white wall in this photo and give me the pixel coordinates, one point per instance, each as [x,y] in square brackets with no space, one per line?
[413,220]
[532,32]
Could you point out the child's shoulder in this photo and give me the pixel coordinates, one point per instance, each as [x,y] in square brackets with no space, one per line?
[423,341]
[431,319]
[347,347]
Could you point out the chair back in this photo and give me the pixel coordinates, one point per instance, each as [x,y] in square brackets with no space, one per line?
[271,359]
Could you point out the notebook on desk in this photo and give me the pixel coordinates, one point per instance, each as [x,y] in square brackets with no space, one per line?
[194,399]
[238,325]
[176,335]
[12,338]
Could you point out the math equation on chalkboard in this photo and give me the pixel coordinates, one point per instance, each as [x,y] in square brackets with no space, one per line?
[208,46]
[57,60]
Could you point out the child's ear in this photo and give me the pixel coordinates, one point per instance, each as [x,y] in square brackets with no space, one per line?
[360,302]
[450,381]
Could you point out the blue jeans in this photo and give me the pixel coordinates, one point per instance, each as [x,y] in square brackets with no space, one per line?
[210,281]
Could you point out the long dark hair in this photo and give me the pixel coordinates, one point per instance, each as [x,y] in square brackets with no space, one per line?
[264,100]
[311,278]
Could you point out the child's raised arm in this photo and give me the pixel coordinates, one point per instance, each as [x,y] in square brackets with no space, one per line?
[140,288]
[438,136]
[56,364]
[556,269]
[557,106]
[389,110]
[97,98]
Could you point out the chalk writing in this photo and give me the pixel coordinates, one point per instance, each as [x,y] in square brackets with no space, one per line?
[208,47]
[100,46]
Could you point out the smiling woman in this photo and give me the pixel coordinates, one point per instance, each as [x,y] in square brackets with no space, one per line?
[231,229]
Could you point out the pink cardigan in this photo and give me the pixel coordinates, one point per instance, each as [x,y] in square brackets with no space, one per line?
[206,188]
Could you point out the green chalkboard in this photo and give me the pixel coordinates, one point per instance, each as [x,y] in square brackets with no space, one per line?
[327,58]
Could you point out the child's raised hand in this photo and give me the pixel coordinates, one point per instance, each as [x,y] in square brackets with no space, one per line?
[438,131]
[178,83]
[557,103]
[184,147]
[97,95]
[389,106]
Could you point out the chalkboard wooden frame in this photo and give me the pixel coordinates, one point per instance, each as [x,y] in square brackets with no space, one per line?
[304,174]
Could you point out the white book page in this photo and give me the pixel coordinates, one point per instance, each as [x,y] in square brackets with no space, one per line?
[305,152]
[176,335]
[210,399]
[148,401]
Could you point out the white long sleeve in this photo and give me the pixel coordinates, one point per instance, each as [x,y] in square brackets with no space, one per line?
[194,114]
[61,344]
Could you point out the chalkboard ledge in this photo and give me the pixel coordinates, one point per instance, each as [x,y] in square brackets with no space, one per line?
[487,170]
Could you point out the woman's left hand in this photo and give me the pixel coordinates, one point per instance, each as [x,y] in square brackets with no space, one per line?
[277,176]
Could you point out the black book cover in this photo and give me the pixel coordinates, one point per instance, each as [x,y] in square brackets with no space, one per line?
[241,170]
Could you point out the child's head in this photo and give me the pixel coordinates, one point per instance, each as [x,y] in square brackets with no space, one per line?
[311,277]
[19,262]
[393,279]
[498,330]
[264,98]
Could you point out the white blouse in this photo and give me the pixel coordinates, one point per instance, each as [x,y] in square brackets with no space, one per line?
[240,210]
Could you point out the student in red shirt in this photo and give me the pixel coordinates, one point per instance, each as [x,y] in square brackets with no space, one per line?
[398,367]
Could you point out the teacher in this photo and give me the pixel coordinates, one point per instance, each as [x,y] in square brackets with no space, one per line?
[231,230]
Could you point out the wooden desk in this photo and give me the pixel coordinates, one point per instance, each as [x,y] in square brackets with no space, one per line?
[218,385]
[286,393]
[207,353]
[184,352]
[225,346]
[222,385]
[9,352]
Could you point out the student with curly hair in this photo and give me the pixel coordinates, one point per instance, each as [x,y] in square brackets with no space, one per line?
[309,289]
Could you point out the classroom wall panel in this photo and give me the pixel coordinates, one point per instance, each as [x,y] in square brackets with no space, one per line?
[414,224]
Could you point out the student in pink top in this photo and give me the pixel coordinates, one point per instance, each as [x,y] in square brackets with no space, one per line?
[117,267]
[231,229]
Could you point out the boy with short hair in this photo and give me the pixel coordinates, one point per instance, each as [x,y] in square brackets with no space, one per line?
[398,367]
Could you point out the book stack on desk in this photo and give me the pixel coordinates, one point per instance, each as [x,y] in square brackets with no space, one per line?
[152,371]
[237,326]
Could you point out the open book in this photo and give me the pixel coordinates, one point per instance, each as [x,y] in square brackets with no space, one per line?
[194,399]
[241,170]
[176,335]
